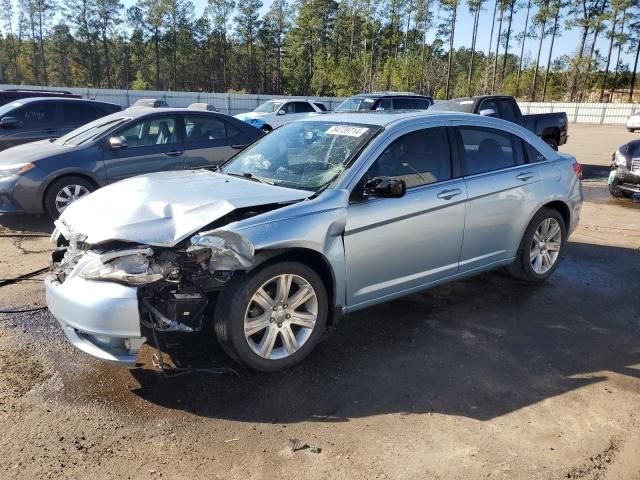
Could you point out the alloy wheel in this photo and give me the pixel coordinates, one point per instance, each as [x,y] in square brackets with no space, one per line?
[545,246]
[68,195]
[281,316]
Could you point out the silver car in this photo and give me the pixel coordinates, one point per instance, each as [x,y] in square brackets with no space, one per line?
[322,217]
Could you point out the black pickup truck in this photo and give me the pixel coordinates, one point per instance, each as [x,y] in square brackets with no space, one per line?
[551,127]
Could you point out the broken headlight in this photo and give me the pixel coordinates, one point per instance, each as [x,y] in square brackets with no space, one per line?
[131,267]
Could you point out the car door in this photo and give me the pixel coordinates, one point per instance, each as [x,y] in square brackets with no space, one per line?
[36,121]
[501,189]
[396,245]
[153,144]
[210,140]
[75,114]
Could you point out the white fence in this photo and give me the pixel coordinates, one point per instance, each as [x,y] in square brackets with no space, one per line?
[230,103]
[233,103]
[601,113]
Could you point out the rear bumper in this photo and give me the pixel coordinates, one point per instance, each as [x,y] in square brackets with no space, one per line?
[99,318]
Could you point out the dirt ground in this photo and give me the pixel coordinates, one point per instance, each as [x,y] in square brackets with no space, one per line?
[485,377]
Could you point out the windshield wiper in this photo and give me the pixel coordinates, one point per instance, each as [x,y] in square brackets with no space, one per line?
[250,176]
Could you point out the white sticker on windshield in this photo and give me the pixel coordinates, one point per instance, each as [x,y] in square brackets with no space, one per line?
[347,131]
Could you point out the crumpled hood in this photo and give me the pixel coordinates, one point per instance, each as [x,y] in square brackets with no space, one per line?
[31,152]
[161,209]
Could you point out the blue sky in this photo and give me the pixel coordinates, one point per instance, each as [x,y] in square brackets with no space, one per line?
[565,44]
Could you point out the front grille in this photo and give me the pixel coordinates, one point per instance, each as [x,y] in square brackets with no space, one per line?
[635,165]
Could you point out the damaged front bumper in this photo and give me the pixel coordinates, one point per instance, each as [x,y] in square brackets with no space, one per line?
[99,318]
[102,299]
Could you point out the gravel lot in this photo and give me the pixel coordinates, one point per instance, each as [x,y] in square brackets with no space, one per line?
[485,377]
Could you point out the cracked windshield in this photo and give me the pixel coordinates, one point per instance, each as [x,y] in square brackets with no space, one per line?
[305,155]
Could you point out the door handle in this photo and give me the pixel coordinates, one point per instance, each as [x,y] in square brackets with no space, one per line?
[449,194]
[524,176]
[238,146]
[174,153]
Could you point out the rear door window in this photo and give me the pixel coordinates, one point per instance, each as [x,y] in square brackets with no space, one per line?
[77,113]
[404,104]
[200,128]
[418,158]
[487,149]
[303,107]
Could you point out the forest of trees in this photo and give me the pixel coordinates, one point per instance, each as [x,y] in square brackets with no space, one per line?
[325,47]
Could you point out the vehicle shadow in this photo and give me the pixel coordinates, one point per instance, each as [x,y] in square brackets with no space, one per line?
[27,223]
[478,348]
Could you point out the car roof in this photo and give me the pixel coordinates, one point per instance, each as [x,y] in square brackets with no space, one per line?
[384,118]
[27,100]
[390,94]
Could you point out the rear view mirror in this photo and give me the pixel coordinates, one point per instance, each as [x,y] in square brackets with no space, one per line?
[488,112]
[9,122]
[117,143]
[386,187]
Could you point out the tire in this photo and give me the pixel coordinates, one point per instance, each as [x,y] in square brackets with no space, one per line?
[617,192]
[552,142]
[524,267]
[631,130]
[70,187]
[237,303]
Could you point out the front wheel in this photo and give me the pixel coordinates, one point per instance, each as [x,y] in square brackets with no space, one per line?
[270,319]
[617,192]
[63,192]
[540,248]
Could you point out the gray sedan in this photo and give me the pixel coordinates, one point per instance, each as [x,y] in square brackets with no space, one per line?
[47,176]
[319,218]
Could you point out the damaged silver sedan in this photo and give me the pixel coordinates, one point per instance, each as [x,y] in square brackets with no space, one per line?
[321,217]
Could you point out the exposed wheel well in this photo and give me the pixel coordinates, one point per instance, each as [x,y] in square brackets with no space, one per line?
[562,209]
[551,133]
[310,258]
[69,174]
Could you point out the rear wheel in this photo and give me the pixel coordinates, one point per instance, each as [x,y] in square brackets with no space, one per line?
[552,142]
[63,192]
[631,130]
[271,318]
[542,243]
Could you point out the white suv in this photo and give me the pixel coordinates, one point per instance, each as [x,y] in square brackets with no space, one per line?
[274,113]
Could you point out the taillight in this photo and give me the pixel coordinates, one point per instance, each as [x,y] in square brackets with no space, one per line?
[577,169]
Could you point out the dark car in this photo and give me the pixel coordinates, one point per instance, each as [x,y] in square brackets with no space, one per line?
[624,177]
[32,119]
[47,176]
[551,127]
[13,94]
[385,101]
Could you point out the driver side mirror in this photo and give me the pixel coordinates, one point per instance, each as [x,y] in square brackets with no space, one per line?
[488,112]
[117,143]
[9,122]
[282,111]
[384,187]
